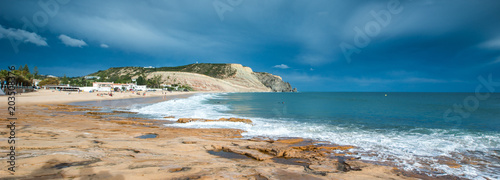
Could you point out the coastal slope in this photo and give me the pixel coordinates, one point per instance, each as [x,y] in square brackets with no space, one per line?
[205,77]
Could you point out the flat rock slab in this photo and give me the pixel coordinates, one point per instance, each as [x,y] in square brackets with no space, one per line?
[248,152]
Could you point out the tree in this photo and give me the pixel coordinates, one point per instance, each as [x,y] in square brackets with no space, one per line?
[156,81]
[83,82]
[3,75]
[114,78]
[102,78]
[35,72]
[26,69]
[141,81]
[49,81]
[64,80]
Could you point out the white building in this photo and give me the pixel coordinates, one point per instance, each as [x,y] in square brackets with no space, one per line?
[92,77]
[141,88]
[127,87]
[103,86]
[36,81]
[87,89]
[110,86]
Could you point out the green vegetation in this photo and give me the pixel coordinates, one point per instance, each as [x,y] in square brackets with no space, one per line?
[25,77]
[64,80]
[120,74]
[123,74]
[22,75]
[49,81]
[154,82]
[180,87]
[213,70]
[141,81]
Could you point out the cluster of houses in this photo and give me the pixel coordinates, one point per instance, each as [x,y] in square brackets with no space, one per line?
[110,87]
[100,86]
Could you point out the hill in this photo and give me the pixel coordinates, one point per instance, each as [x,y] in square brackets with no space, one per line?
[201,77]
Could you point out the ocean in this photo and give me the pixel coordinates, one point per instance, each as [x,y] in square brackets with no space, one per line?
[418,132]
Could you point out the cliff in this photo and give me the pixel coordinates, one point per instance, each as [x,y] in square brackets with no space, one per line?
[202,77]
[275,83]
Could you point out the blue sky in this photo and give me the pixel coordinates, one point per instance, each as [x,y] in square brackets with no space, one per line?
[390,45]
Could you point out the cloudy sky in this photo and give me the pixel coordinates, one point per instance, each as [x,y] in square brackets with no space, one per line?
[320,45]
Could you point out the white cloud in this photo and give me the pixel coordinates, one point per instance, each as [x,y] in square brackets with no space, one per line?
[68,41]
[140,36]
[104,46]
[282,66]
[22,35]
[492,44]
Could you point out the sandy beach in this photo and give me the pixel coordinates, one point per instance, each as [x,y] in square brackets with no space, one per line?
[58,97]
[58,141]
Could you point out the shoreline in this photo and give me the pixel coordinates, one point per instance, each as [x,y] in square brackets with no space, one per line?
[308,159]
[56,144]
[57,97]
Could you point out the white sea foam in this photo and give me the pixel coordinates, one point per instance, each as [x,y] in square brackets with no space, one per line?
[410,150]
[191,107]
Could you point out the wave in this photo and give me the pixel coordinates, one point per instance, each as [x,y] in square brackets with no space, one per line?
[191,107]
[419,149]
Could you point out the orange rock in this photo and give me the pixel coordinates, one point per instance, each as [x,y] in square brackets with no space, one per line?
[291,141]
[315,148]
[248,121]
[343,148]
[449,162]
[132,123]
[186,120]
[453,165]
[323,168]
[292,153]
[257,155]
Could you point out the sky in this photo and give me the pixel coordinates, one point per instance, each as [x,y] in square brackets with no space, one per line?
[319,45]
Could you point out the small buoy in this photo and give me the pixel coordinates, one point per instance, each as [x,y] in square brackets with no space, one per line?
[385,94]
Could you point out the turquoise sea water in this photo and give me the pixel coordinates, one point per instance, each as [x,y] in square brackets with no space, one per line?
[414,131]
[396,111]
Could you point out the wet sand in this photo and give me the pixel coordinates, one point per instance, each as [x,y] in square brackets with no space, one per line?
[60,141]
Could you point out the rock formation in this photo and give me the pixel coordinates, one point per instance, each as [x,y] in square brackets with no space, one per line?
[206,77]
[275,83]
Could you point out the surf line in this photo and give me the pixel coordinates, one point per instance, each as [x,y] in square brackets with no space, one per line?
[11,108]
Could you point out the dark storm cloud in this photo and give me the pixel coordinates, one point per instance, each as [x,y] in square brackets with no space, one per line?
[431,41]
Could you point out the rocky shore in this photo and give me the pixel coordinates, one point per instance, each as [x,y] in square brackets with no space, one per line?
[68,142]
